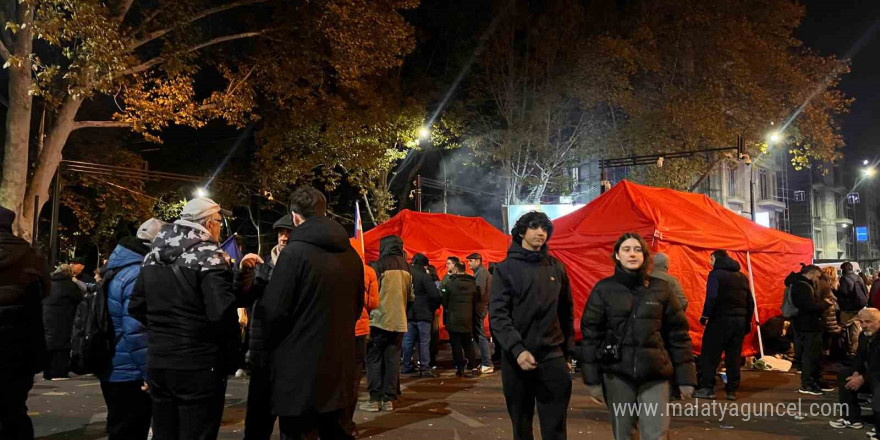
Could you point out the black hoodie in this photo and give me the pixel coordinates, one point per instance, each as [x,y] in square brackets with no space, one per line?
[308,315]
[530,305]
[810,306]
[24,282]
[727,292]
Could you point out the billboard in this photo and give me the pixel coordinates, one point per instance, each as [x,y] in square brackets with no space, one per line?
[861,234]
[514,212]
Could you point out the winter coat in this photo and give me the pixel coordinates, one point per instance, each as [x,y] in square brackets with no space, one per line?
[192,326]
[661,270]
[530,306]
[427,296]
[481,303]
[371,301]
[59,309]
[867,359]
[262,275]
[308,316]
[395,286]
[852,295]
[727,292]
[24,282]
[656,345]
[810,306]
[874,297]
[458,295]
[829,316]
[130,359]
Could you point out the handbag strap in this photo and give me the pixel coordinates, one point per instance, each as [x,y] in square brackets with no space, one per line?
[181,279]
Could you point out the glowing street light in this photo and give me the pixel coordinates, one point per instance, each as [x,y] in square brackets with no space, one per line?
[865,162]
[201,192]
[424,133]
[775,137]
[869,172]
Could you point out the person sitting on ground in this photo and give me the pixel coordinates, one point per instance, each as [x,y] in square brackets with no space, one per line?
[863,376]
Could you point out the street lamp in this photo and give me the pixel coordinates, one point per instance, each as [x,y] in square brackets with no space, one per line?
[424,133]
[774,137]
[869,172]
[201,192]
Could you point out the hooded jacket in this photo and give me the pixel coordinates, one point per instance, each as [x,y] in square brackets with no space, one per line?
[308,315]
[530,305]
[810,306]
[192,326]
[24,282]
[459,294]
[852,295]
[59,309]
[371,301]
[661,270]
[130,359]
[481,302]
[656,344]
[395,286]
[427,296]
[727,292]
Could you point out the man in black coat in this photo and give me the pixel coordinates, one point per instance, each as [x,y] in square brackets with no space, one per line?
[24,282]
[419,317]
[186,296]
[727,315]
[852,296]
[863,376]
[808,325]
[530,311]
[459,294]
[308,316]
[259,421]
[481,309]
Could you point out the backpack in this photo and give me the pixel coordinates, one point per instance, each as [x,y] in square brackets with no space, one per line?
[93,341]
[788,309]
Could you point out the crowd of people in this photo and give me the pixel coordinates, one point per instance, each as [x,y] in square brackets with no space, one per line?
[318,316]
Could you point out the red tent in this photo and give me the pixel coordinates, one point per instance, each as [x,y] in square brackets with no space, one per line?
[439,236]
[687,227]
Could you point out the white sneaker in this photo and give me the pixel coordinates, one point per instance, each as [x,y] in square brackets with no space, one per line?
[487,370]
[240,373]
[844,423]
[872,434]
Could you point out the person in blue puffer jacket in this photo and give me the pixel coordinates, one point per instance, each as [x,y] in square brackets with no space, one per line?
[129,407]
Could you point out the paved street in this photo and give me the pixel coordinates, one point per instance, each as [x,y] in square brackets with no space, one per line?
[453,408]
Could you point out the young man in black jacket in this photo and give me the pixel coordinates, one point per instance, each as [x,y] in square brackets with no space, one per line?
[727,315]
[24,282]
[458,316]
[808,325]
[419,317]
[531,313]
[186,296]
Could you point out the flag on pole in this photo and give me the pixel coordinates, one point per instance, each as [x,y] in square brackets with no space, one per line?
[231,247]
[358,240]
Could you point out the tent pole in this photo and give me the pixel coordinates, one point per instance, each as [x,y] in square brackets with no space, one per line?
[755,301]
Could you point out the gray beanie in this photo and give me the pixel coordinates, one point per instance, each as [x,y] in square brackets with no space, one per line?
[148,230]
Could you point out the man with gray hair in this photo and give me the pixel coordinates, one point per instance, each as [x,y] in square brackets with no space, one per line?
[661,271]
[863,376]
[186,296]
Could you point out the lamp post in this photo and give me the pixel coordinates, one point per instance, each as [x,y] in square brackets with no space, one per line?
[867,173]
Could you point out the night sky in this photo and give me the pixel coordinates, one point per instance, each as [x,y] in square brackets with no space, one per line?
[836,27]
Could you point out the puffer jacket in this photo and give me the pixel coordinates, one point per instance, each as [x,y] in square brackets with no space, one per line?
[809,304]
[727,292]
[371,301]
[427,296]
[130,359]
[59,309]
[852,295]
[395,286]
[656,345]
[24,282]
[459,294]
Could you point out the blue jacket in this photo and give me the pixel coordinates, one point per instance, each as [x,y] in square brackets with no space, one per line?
[130,360]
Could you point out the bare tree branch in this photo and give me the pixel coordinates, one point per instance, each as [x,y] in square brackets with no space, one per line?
[159,60]
[100,124]
[123,10]
[206,13]
[4,52]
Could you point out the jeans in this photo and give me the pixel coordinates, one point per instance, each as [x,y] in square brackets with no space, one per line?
[619,392]
[481,340]
[462,344]
[383,365]
[419,332]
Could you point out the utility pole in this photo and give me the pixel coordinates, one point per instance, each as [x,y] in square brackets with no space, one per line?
[53,231]
[418,183]
[445,200]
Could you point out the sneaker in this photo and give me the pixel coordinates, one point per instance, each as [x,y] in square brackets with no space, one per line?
[428,373]
[811,390]
[487,370]
[240,373]
[731,395]
[371,406]
[388,405]
[704,393]
[872,434]
[844,423]
[475,372]
[826,388]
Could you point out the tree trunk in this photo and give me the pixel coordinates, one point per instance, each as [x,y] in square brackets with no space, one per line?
[48,162]
[18,126]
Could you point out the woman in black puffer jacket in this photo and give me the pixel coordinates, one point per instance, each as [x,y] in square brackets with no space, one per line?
[59,309]
[641,317]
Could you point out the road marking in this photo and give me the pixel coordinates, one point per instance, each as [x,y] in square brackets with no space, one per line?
[465,419]
[55,393]
[90,384]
